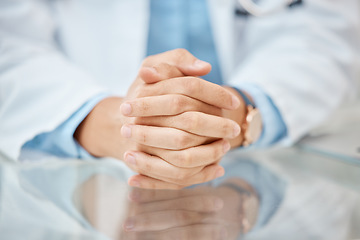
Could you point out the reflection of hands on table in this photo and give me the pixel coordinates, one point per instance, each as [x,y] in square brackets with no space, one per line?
[199,213]
[171,124]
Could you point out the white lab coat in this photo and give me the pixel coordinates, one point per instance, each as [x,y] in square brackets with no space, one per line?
[57,54]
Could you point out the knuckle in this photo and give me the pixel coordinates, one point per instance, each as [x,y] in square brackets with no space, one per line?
[224,95]
[185,159]
[182,140]
[205,177]
[181,52]
[193,121]
[141,91]
[179,103]
[191,85]
[148,167]
[183,175]
[180,176]
[161,67]
[181,216]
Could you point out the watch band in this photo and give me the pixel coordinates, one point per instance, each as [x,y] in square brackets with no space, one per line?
[243,13]
[246,99]
[251,128]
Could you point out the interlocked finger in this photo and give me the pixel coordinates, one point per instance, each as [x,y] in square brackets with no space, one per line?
[192,157]
[156,167]
[197,123]
[171,104]
[196,88]
[159,72]
[161,137]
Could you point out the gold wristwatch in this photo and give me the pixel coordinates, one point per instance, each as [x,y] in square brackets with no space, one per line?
[251,128]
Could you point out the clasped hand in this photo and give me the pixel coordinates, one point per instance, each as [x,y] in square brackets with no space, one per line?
[170,127]
[174,122]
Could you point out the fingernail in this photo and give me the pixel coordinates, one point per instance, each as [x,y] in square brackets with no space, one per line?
[219,173]
[200,64]
[218,204]
[126,109]
[130,159]
[237,130]
[126,131]
[129,224]
[226,146]
[235,102]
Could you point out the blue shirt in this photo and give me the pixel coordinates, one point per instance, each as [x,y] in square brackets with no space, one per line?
[173,24]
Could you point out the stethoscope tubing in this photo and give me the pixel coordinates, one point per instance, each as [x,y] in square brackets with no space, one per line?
[257,11]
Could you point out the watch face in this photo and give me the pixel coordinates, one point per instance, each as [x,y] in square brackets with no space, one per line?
[254,126]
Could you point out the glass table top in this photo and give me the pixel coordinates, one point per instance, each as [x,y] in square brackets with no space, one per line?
[274,194]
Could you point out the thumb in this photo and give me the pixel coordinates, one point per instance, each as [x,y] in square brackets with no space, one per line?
[165,71]
[195,68]
[181,59]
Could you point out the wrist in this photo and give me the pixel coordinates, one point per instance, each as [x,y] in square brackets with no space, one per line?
[99,132]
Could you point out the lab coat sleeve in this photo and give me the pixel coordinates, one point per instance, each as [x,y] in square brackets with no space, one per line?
[304,59]
[39,87]
[61,141]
